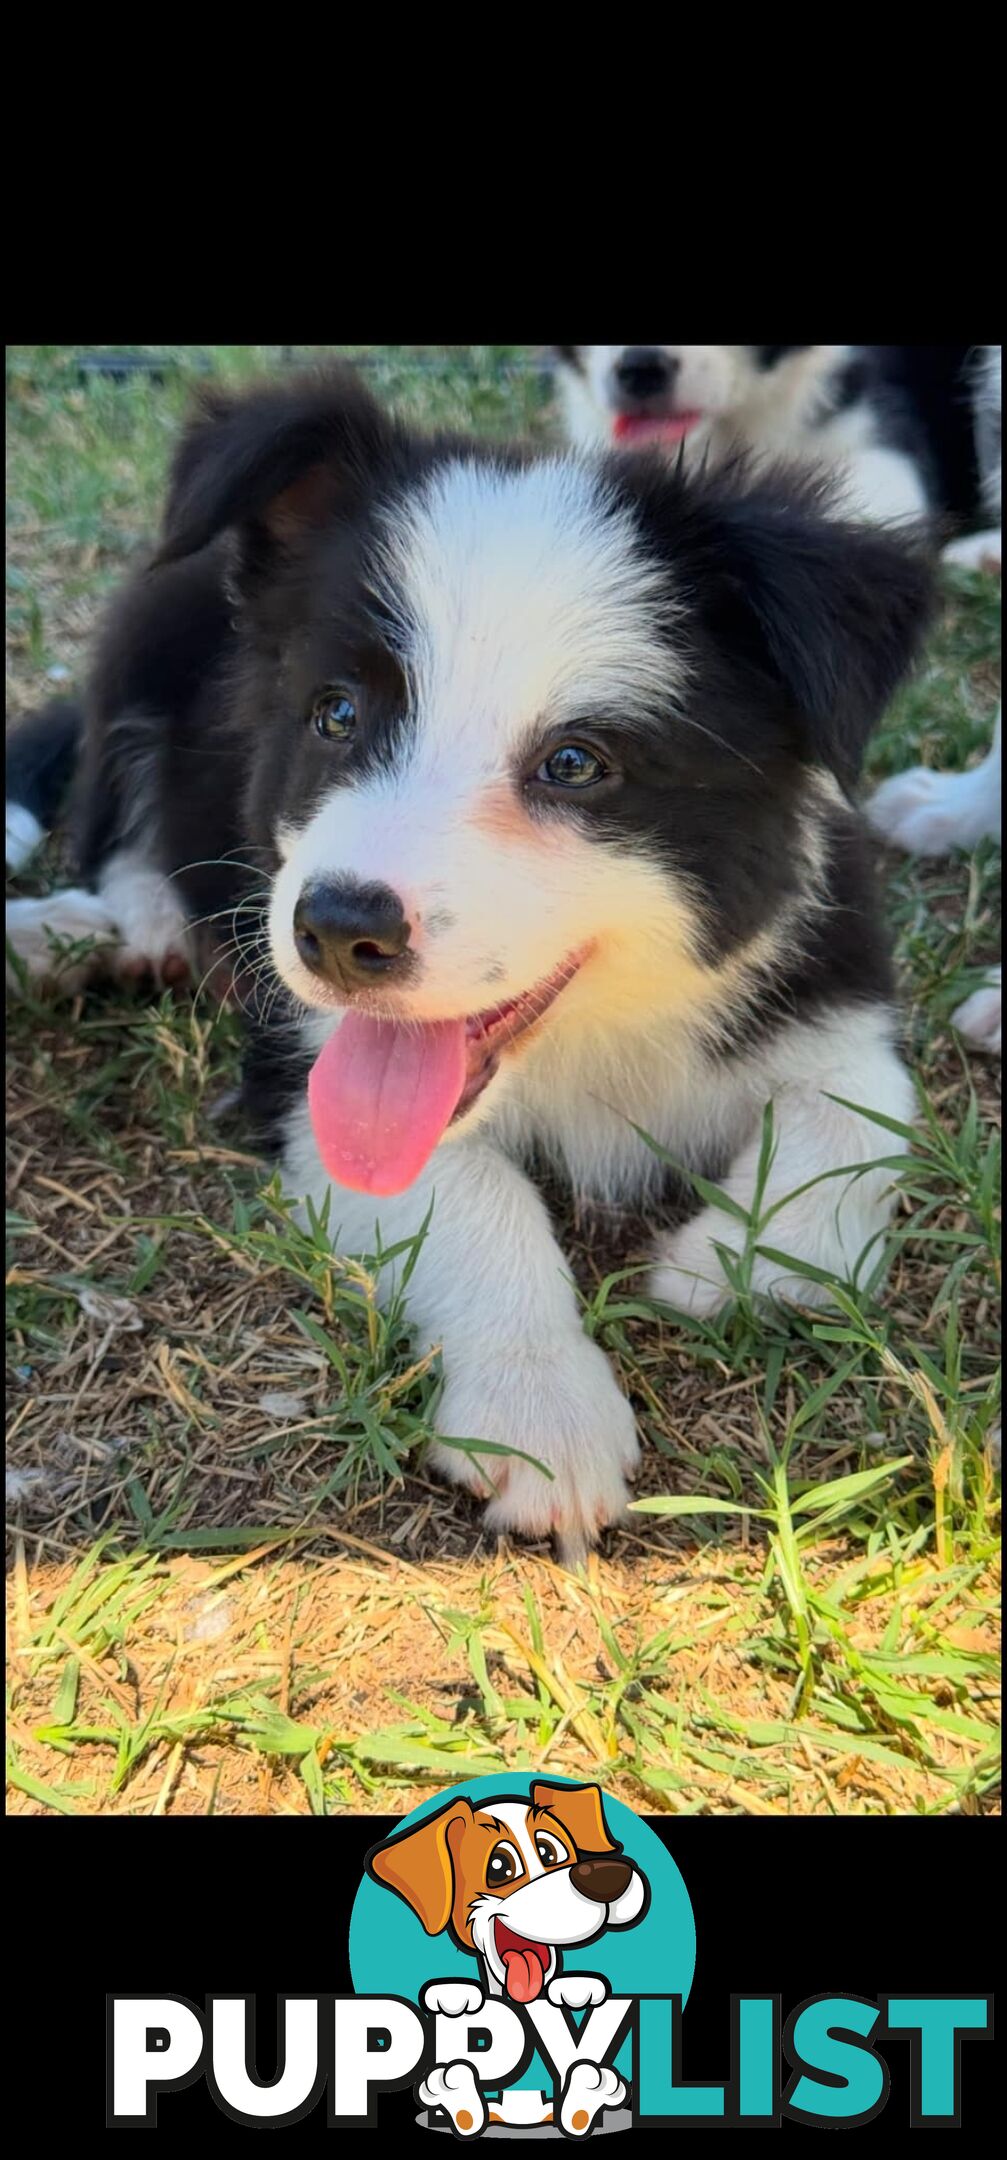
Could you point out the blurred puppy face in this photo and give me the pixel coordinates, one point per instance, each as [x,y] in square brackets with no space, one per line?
[630,394]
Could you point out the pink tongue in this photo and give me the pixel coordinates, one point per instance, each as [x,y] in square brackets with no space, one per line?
[380,1095]
[524,1975]
[635,427]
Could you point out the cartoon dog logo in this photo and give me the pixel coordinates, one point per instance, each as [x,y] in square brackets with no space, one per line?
[519,1883]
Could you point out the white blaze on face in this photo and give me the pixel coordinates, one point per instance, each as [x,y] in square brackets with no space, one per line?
[522,595]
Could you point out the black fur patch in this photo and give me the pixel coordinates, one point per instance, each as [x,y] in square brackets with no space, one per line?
[41,757]
[274,1075]
[572,356]
[797,629]
[927,391]
[896,425]
[848,387]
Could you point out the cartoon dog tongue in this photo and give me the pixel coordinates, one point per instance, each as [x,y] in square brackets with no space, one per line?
[380,1096]
[525,1974]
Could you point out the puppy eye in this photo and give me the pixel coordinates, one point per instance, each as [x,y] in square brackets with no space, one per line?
[334,715]
[503,1865]
[551,1850]
[572,766]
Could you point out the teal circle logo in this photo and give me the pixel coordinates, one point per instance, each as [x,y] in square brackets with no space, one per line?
[392,1951]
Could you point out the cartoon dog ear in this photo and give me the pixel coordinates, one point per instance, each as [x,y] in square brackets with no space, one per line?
[579,1808]
[419,1866]
[274,461]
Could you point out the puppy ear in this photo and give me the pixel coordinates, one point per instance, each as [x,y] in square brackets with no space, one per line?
[828,614]
[419,1866]
[840,609]
[277,460]
[579,1808]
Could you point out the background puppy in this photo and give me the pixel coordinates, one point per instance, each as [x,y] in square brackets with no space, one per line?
[828,407]
[525,785]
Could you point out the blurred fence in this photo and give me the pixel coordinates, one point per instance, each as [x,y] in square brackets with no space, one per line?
[157,367]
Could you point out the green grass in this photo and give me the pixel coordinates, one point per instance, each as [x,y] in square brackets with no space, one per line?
[233,1585]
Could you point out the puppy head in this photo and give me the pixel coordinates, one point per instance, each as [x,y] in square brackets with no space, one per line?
[531,739]
[513,1881]
[665,394]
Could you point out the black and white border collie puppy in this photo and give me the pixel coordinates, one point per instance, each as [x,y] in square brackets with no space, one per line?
[547,763]
[824,406]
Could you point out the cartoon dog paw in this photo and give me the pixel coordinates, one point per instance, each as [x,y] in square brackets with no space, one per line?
[452,1998]
[589,2088]
[452,2086]
[577,1991]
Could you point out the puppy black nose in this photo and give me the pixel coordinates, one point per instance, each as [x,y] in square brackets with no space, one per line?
[644,371]
[353,936]
[603,1879]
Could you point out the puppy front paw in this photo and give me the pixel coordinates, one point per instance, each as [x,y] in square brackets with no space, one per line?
[558,1403]
[689,1274]
[975,551]
[590,2087]
[154,941]
[577,1991]
[62,940]
[979,1018]
[929,812]
[452,1998]
[452,2086]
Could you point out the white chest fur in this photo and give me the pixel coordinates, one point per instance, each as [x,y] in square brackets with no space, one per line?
[578,1100]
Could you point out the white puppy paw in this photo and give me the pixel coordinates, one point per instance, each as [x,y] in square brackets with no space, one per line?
[975,551]
[148,913]
[452,1998]
[452,2086]
[589,2088]
[24,836]
[689,1274]
[978,1019]
[132,929]
[561,1406]
[929,813]
[57,939]
[577,1991]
